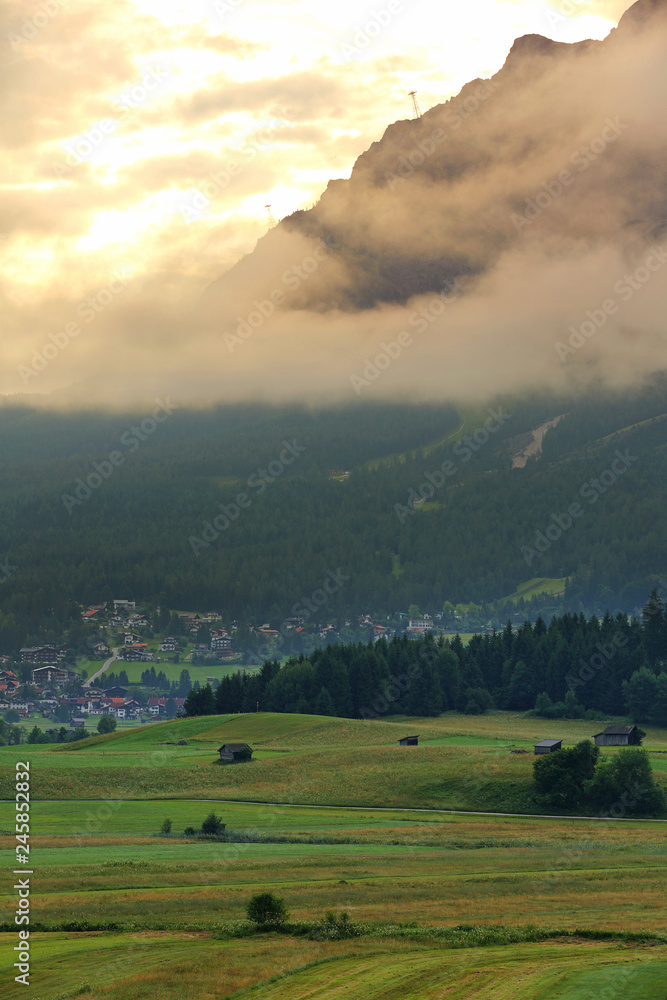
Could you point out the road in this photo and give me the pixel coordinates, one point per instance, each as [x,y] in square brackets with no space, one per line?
[423,809]
[114,656]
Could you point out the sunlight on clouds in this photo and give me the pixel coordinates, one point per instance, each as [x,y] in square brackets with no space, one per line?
[30,266]
[216,94]
[116,227]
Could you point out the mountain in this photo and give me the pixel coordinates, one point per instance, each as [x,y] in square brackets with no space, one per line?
[445,196]
[249,510]
[525,198]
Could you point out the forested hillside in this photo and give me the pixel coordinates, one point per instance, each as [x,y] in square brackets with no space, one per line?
[246,510]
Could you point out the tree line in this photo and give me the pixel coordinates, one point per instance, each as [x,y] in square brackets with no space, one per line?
[574,666]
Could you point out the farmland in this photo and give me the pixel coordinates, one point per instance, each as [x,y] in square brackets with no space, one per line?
[443,898]
[461,762]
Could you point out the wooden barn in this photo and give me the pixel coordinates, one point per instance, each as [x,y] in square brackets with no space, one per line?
[234,753]
[617,736]
[547,746]
[409,741]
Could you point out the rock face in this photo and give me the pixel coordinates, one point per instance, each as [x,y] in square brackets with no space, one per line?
[641,13]
[563,150]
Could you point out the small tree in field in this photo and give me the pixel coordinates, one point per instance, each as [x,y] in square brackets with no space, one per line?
[212,825]
[265,908]
[107,724]
[166,826]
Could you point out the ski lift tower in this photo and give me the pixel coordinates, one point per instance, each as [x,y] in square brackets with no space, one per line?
[416,112]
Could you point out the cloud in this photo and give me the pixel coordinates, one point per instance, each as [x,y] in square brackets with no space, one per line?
[469,201]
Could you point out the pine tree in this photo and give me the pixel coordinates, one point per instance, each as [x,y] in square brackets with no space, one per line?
[324,703]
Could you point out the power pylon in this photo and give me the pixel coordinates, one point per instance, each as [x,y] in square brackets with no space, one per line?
[272,219]
[416,113]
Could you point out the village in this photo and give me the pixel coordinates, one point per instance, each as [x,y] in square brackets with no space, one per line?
[130,667]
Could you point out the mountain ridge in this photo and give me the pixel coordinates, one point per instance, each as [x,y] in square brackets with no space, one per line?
[470,137]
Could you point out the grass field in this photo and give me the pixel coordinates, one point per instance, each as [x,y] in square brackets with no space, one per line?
[409,877]
[185,966]
[535,587]
[172,671]
[463,762]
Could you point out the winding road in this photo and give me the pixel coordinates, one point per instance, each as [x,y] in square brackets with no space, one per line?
[107,663]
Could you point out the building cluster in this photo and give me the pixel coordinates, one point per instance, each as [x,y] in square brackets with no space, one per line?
[612,736]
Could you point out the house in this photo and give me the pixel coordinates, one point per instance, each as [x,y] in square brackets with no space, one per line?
[617,736]
[123,605]
[113,706]
[420,624]
[101,649]
[78,723]
[137,651]
[53,675]
[219,642]
[42,654]
[157,706]
[137,621]
[116,692]
[547,746]
[233,753]
[409,741]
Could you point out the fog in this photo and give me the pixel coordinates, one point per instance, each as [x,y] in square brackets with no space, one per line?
[512,238]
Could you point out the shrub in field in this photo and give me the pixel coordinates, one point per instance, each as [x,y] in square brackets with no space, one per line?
[212,825]
[336,928]
[166,826]
[625,786]
[107,724]
[621,786]
[266,908]
[561,776]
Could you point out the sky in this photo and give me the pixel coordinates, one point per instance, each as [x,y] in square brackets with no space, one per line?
[143,140]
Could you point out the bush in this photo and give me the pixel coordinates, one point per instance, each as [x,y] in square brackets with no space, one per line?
[625,786]
[265,908]
[190,831]
[213,825]
[335,928]
[568,709]
[166,826]
[562,775]
[107,724]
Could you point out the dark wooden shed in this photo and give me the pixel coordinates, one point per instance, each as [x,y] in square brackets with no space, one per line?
[547,746]
[234,753]
[617,736]
[409,741]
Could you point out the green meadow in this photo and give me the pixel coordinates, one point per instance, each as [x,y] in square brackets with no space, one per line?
[471,763]
[185,966]
[172,671]
[447,903]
